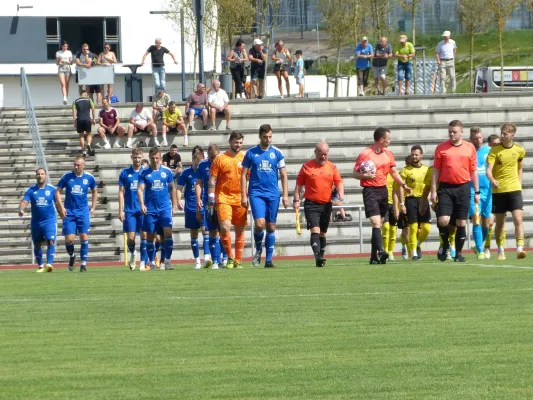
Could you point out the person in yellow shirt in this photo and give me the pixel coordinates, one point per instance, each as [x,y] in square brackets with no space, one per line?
[402,224]
[390,222]
[504,170]
[404,52]
[172,122]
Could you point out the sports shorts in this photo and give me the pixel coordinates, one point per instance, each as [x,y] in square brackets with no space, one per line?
[484,206]
[76,224]
[237,214]
[210,221]
[44,232]
[317,215]
[83,126]
[153,221]
[264,208]
[375,200]
[133,222]
[389,216]
[412,205]
[454,199]
[191,222]
[509,201]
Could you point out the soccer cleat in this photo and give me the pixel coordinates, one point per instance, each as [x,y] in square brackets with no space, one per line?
[169,266]
[419,252]
[269,264]
[116,145]
[153,266]
[84,154]
[107,146]
[442,254]
[415,258]
[487,253]
[521,254]
[49,268]
[481,256]
[391,257]
[215,266]
[162,266]
[197,266]
[452,251]
[230,264]
[256,262]
[148,268]
[459,258]
[320,263]
[448,255]
[501,256]
[224,263]
[383,256]
[404,253]
[40,269]
[374,261]
[164,143]
[142,268]
[237,265]
[83,268]
[208,263]
[71,263]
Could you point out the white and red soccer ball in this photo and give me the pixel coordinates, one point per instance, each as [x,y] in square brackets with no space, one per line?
[367,167]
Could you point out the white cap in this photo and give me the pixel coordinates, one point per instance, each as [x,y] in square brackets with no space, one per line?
[257,42]
[446,33]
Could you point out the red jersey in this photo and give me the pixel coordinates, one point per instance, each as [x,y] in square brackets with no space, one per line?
[318,180]
[455,163]
[384,161]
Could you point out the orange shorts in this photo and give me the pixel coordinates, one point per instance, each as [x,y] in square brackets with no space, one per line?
[238,215]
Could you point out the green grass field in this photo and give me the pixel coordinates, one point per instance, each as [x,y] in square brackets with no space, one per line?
[425,330]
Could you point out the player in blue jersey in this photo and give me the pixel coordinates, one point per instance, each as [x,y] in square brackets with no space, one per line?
[217,254]
[43,224]
[75,212]
[263,162]
[157,199]
[480,227]
[129,209]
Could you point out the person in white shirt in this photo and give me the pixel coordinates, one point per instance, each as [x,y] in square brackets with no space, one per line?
[218,102]
[446,50]
[64,61]
[141,121]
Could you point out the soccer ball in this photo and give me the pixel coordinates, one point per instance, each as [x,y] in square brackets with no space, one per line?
[367,167]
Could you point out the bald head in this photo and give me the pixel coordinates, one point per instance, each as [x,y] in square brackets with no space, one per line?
[321,153]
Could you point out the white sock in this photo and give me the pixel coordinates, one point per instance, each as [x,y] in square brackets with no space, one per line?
[197,260]
[414,253]
[164,138]
[156,142]
[519,249]
[142,264]
[106,141]
[500,249]
[207,257]
[41,266]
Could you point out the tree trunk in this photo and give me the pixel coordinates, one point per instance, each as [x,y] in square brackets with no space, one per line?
[413,83]
[500,45]
[413,16]
[472,62]
[338,71]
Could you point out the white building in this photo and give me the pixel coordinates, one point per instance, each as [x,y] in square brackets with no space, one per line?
[30,37]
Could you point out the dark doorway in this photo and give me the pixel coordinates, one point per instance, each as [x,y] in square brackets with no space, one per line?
[77,31]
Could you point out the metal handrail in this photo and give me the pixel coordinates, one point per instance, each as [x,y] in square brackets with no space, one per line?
[25,217]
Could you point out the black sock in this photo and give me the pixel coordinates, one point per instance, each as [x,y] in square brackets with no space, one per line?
[444,232]
[315,244]
[376,234]
[460,238]
[322,246]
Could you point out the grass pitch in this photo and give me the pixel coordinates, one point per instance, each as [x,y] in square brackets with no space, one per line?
[425,330]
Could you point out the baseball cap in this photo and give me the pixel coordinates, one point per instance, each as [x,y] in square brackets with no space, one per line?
[446,33]
[257,42]
[403,38]
[160,89]
[364,39]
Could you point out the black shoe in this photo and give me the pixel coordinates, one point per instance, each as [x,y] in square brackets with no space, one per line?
[269,264]
[71,263]
[89,149]
[415,258]
[442,254]
[374,261]
[83,268]
[459,258]
[320,262]
[383,256]
[84,154]
[419,252]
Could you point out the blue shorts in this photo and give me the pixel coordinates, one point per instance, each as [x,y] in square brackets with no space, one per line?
[485,205]
[210,223]
[152,222]
[133,221]
[197,111]
[41,233]
[264,208]
[405,71]
[76,224]
[191,222]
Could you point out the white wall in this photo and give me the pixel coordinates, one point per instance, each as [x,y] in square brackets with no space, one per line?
[313,84]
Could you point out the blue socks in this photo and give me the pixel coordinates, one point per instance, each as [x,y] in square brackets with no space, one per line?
[144,253]
[478,237]
[150,251]
[131,246]
[169,244]
[38,253]
[84,251]
[50,253]
[214,248]
[270,242]
[70,248]
[258,239]
[206,245]
[194,247]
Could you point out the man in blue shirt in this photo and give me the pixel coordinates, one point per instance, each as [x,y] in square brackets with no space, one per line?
[364,52]
[262,163]
[157,199]
[129,209]
[75,212]
[43,224]
[217,255]
[480,232]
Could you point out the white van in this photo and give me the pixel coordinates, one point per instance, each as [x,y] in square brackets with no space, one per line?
[488,79]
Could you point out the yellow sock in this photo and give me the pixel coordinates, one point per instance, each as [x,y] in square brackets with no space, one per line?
[385,229]
[519,241]
[413,230]
[392,238]
[504,237]
[451,238]
[488,238]
[424,232]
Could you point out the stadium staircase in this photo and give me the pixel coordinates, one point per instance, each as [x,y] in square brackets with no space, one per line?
[346,124]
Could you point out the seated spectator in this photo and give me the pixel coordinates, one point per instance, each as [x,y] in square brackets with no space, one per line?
[110,124]
[340,215]
[218,101]
[160,104]
[141,121]
[107,57]
[172,122]
[172,160]
[196,105]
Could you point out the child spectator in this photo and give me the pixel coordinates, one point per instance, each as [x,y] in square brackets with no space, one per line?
[299,72]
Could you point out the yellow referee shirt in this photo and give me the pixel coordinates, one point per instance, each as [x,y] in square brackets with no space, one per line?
[505,167]
[414,177]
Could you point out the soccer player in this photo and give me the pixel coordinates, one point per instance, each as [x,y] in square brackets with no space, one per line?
[210,220]
[504,170]
[414,176]
[263,162]
[76,213]
[129,210]
[390,222]
[402,223]
[224,191]
[375,188]
[187,185]
[318,176]
[455,166]
[42,197]
[157,199]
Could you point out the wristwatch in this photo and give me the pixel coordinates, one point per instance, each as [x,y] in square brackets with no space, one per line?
[478,192]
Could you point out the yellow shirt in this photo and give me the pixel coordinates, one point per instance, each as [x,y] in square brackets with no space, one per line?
[505,167]
[171,118]
[415,178]
[390,184]
[429,175]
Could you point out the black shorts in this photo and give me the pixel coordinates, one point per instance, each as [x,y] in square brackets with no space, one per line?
[509,201]
[83,126]
[453,217]
[412,204]
[94,88]
[317,214]
[257,71]
[281,67]
[219,113]
[402,221]
[375,200]
[454,200]
[389,217]
[362,76]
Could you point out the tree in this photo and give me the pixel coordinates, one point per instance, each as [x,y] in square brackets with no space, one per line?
[412,6]
[500,11]
[474,20]
[267,9]
[379,10]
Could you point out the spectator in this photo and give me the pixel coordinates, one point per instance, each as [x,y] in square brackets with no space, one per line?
[84,59]
[404,51]
[196,105]
[141,121]
[382,52]
[257,56]
[145,163]
[299,72]
[282,57]
[172,160]
[218,105]
[107,57]
[172,122]
[110,124]
[157,53]
[340,215]
[64,61]
[364,53]
[446,50]
[81,113]
[161,101]
[237,57]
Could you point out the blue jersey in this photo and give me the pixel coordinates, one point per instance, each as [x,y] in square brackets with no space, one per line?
[484,183]
[156,184]
[76,190]
[264,166]
[42,202]
[129,179]
[202,173]
[187,179]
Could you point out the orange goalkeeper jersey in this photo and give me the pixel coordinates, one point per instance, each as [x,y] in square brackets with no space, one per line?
[227,169]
